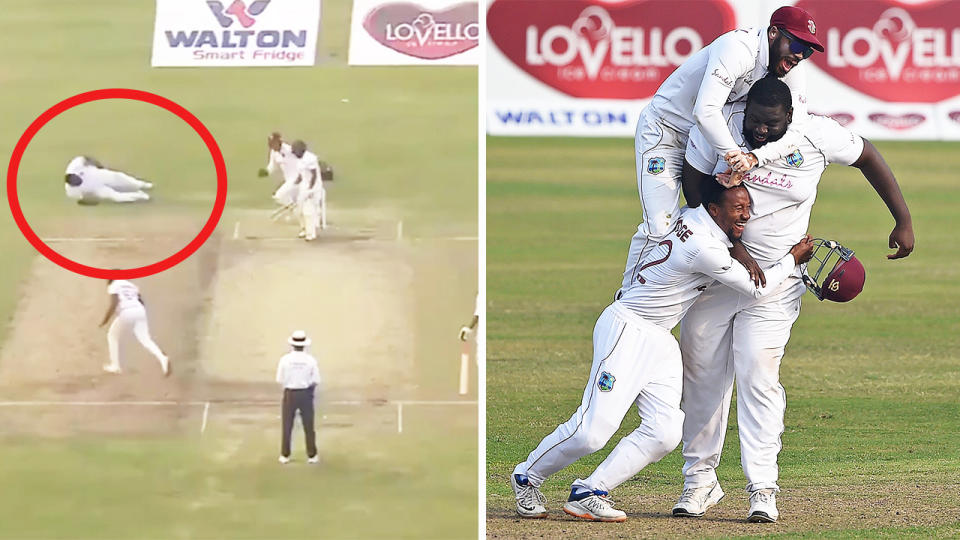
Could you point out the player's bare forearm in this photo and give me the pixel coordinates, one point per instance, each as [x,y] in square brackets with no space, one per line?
[740,254]
[690,180]
[878,173]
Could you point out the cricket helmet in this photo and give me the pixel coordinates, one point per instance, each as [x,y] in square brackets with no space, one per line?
[833,273]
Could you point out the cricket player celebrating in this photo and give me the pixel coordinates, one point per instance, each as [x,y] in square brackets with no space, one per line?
[636,359]
[280,155]
[88,182]
[311,197]
[727,334]
[694,94]
[126,303]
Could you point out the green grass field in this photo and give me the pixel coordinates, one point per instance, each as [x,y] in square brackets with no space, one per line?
[871,445]
[404,147]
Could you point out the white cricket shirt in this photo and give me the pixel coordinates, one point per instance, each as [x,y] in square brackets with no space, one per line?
[128,295]
[694,255]
[288,163]
[720,73]
[783,191]
[297,370]
[309,162]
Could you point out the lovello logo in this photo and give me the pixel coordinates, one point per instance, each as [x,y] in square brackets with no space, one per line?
[238,10]
[891,51]
[955,116]
[423,33]
[614,51]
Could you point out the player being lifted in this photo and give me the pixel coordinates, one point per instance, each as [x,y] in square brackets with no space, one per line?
[727,335]
[694,94]
[636,359]
[88,182]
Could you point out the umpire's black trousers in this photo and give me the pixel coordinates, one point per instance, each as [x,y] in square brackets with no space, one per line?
[298,400]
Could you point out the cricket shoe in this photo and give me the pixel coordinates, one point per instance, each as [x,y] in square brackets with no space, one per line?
[593,505]
[529,499]
[111,369]
[314,459]
[284,460]
[694,502]
[302,234]
[166,366]
[763,506]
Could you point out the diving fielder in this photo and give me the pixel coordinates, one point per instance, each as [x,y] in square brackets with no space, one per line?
[694,94]
[727,334]
[88,182]
[126,302]
[637,361]
[280,155]
[311,196]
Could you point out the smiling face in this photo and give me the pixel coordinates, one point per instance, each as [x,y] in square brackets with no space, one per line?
[782,57]
[765,123]
[732,212]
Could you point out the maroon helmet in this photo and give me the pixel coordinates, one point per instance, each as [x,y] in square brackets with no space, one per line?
[841,272]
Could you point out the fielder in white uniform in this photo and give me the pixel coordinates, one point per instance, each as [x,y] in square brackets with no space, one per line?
[311,196]
[727,335]
[281,156]
[637,361]
[88,182]
[126,302]
[694,94]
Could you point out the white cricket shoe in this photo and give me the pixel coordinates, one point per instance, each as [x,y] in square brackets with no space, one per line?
[314,459]
[167,368]
[284,460]
[593,505]
[302,234]
[529,499]
[111,369]
[763,506]
[147,185]
[694,502]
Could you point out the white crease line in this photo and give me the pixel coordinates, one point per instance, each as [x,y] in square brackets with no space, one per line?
[219,402]
[236,230]
[206,411]
[400,417]
[92,239]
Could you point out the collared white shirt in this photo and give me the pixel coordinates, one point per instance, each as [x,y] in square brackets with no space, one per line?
[783,191]
[128,295]
[288,163]
[695,254]
[298,369]
[721,73]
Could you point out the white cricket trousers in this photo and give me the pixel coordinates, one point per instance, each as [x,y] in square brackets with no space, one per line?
[132,318]
[726,336]
[286,194]
[659,152]
[634,362]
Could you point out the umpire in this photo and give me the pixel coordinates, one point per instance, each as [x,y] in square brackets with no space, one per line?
[299,375]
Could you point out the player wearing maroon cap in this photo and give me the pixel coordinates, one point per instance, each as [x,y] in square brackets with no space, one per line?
[694,94]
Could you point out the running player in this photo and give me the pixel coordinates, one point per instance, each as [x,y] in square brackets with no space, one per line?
[126,303]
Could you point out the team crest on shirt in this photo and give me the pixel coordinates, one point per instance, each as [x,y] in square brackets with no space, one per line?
[795,159]
[605,382]
[656,165]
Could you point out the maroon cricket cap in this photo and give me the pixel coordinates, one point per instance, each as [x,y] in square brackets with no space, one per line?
[845,281]
[799,23]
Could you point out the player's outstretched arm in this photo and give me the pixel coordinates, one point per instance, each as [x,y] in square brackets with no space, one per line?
[878,173]
[110,309]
